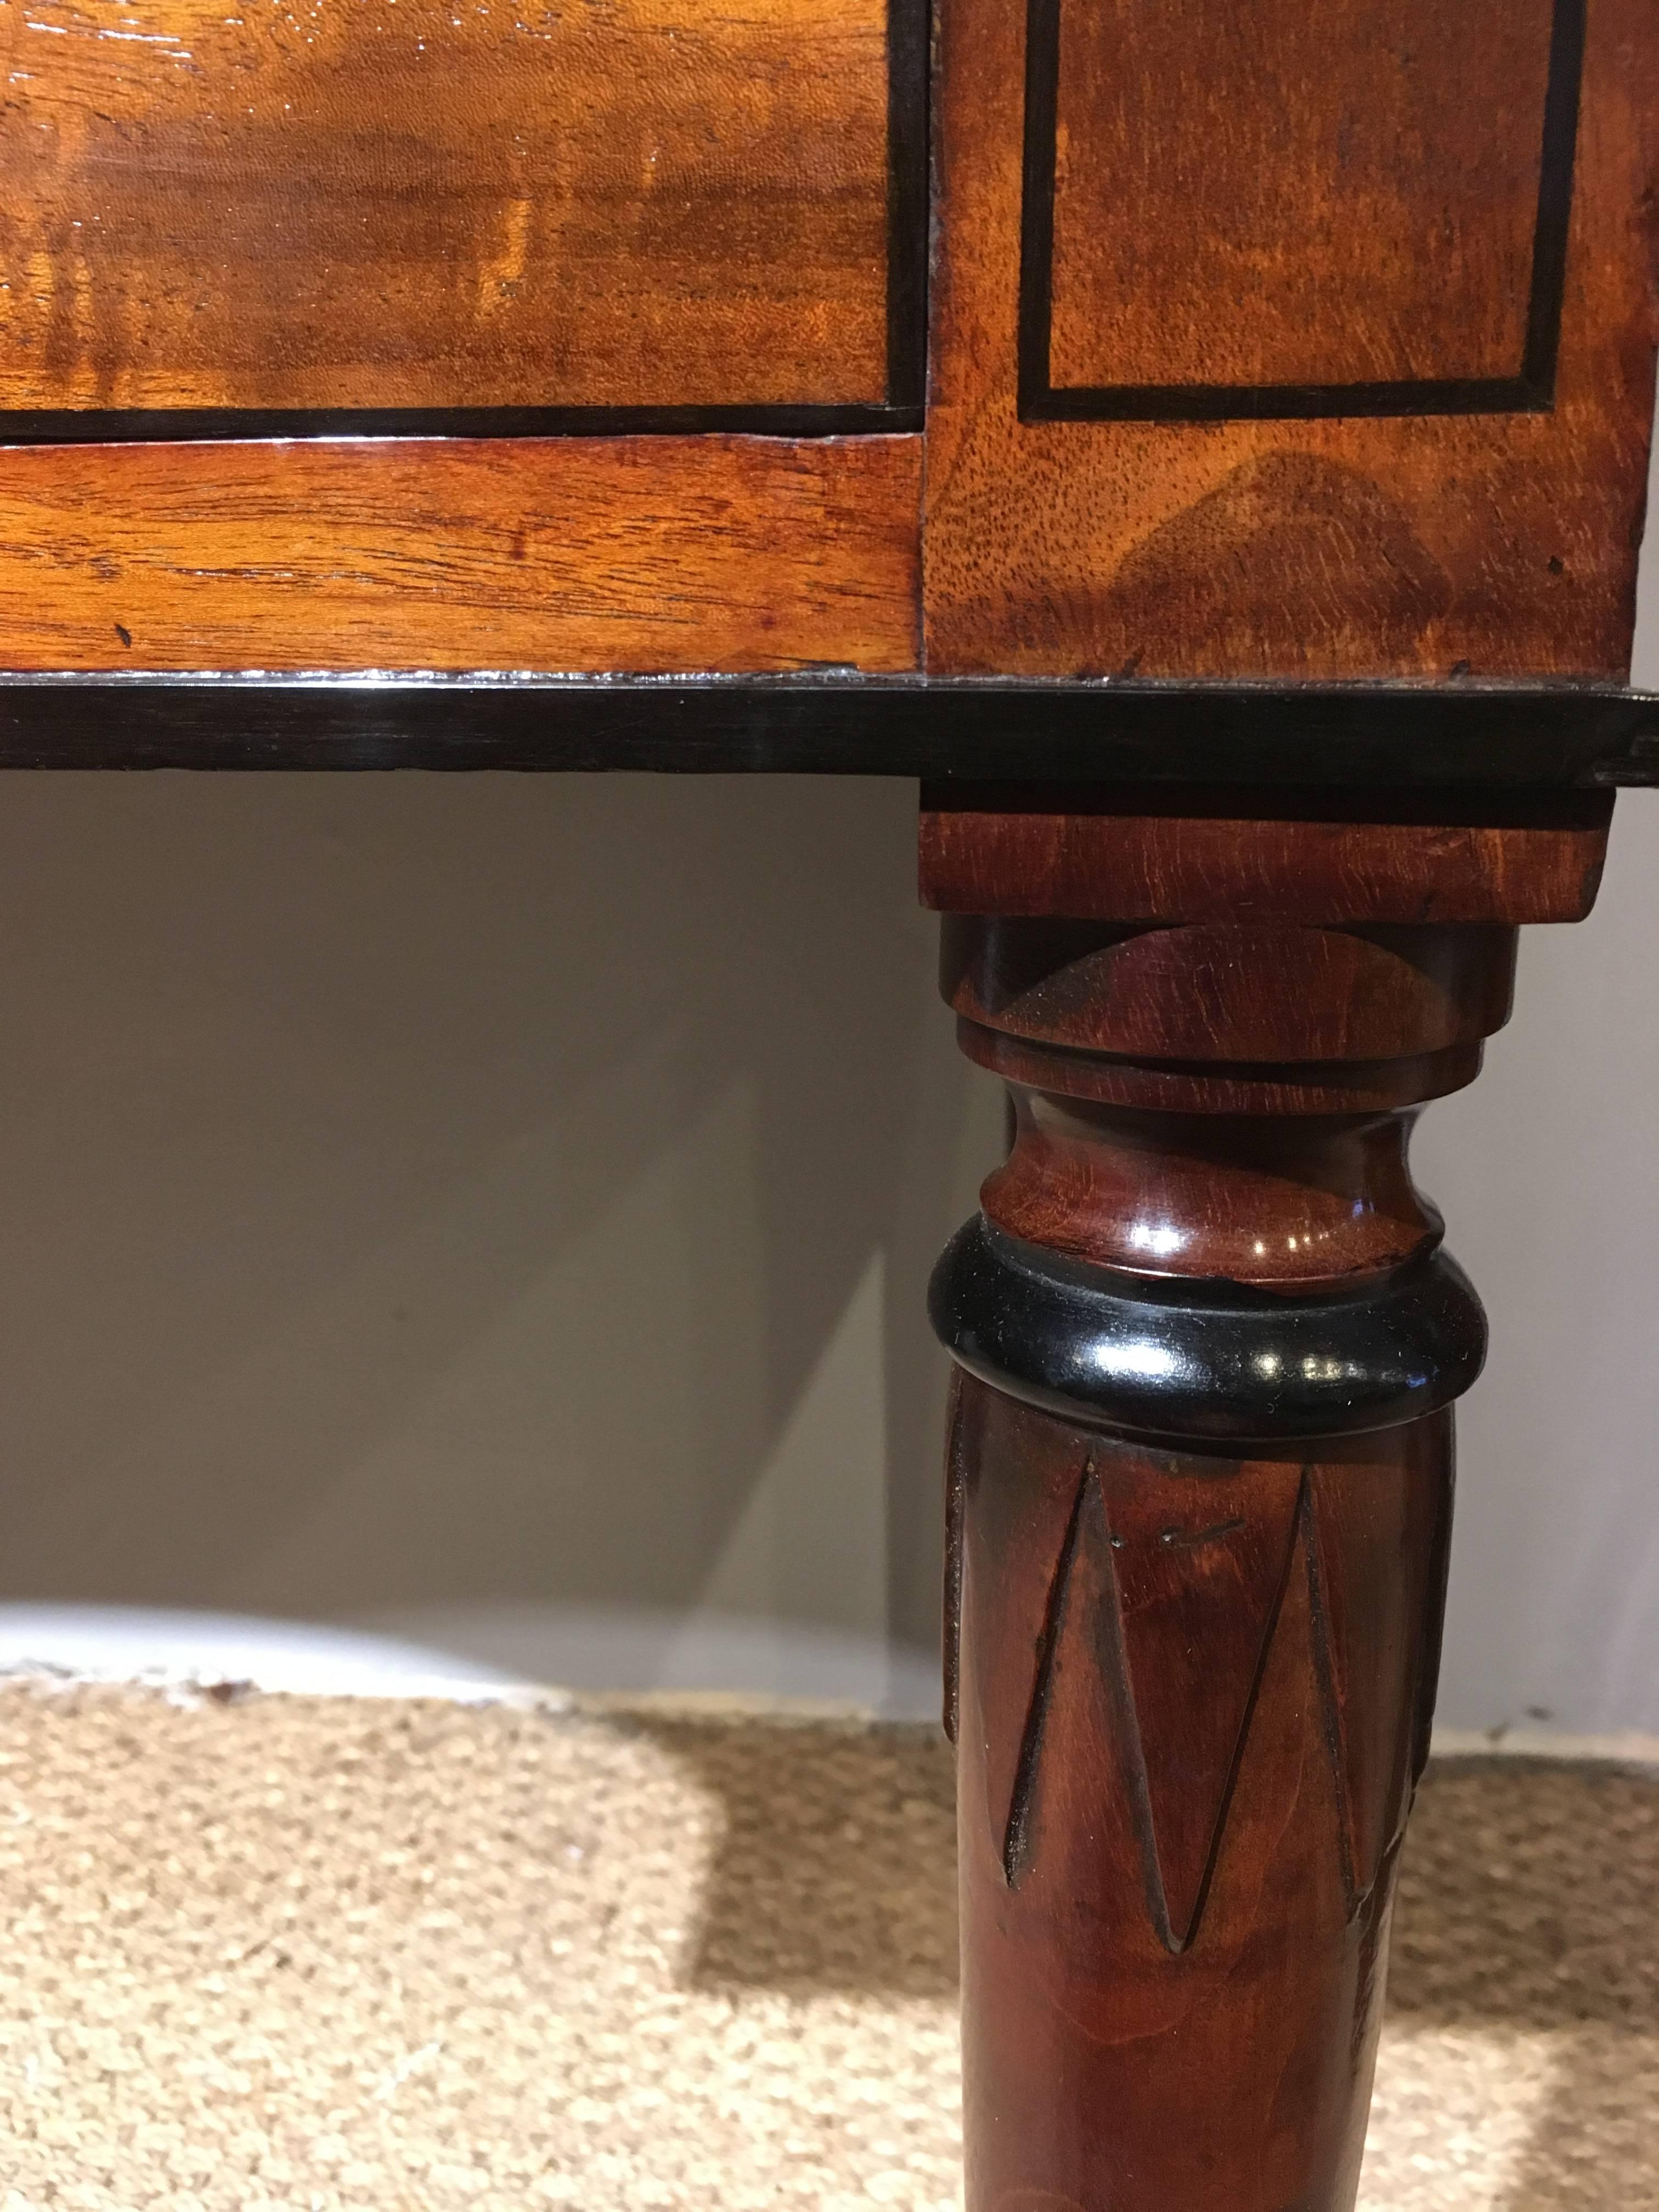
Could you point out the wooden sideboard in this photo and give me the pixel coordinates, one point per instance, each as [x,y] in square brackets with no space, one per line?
[1205,442]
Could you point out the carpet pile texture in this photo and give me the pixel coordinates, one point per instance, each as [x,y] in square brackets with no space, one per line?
[290,1954]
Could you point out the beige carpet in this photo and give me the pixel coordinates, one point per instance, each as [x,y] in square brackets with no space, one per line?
[309,1954]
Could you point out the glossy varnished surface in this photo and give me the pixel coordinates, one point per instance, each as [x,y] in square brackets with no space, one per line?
[404,203]
[1263,992]
[1267,1087]
[1332,385]
[1214,1363]
[1243,1198]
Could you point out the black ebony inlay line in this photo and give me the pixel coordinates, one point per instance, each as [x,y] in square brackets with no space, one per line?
[907,343]
[1530,392]
[1549,246]
[1037,212]
[111,426]
[908,74]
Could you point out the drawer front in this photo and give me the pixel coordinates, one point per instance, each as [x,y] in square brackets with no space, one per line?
[1268,342]
[648,211]
[655,555]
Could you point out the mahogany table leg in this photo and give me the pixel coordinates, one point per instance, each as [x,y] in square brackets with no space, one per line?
[1199,1472]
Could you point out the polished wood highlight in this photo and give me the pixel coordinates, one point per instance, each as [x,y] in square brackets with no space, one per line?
[1351,380]
[1199,1472]
[640,554]
[1345,1086]
[401,203]
[1266,468]
[1424,543]
[1148,1194]
[1257,993]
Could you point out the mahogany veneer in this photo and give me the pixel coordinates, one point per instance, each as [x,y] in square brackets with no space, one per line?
[406,204]
[650,554]
[1129,859]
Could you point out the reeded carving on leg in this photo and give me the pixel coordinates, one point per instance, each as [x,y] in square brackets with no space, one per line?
[1169,1583]
[955,1478]
[1189,1563]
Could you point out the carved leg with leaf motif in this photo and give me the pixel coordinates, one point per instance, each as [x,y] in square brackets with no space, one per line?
[1200,1468]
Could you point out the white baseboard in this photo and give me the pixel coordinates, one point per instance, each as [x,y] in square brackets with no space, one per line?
[479,1655]
[596,1654]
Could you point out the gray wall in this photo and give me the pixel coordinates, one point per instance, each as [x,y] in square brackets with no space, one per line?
[496,1211]
[441,1203]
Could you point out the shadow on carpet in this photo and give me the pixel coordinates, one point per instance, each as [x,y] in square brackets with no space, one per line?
[1527,1926]
[304,1954]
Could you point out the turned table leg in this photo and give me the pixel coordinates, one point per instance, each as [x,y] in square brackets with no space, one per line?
[1200,1468]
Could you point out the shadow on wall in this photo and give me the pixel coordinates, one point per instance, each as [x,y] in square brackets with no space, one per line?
[437,1204]
[494,1212]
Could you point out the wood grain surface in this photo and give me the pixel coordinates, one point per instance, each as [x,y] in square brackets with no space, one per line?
[1430,544]
[1344,1086]
[1194,1692]
[1187,865]
[1367,213]
[385,203]
[578,554]
[1265,992]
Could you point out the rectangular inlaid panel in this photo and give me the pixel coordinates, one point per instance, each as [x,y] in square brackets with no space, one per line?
[391,205]
[1290,341]
[1363,211]
[650,554]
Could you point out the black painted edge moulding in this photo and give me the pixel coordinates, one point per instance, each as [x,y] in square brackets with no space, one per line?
[951,731]
[1531,390]
[900,410]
